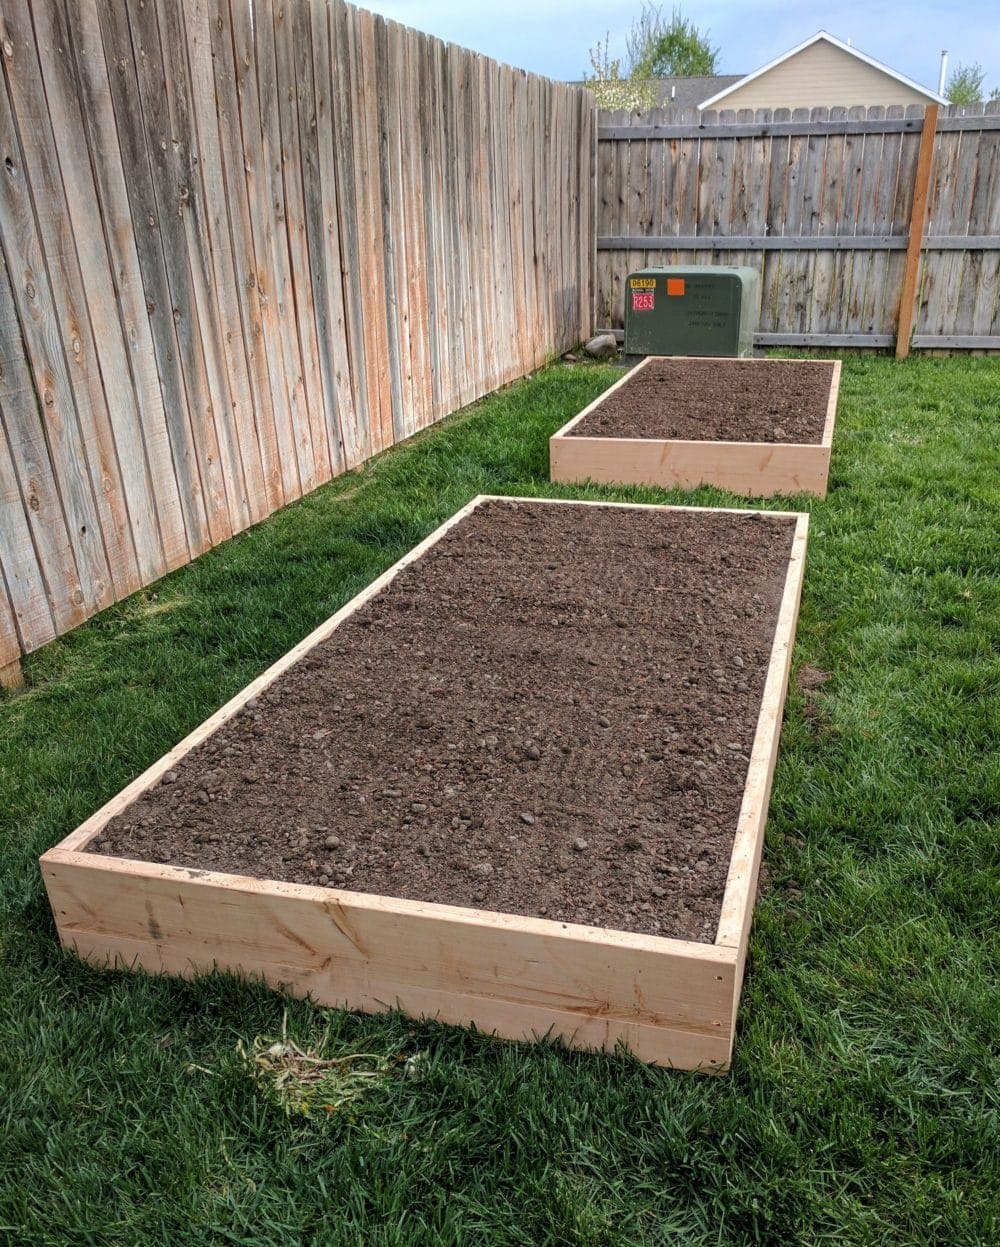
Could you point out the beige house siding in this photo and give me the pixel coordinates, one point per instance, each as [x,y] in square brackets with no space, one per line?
[822,75]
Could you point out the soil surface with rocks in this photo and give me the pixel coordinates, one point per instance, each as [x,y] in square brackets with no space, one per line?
[718,400]
[550,713]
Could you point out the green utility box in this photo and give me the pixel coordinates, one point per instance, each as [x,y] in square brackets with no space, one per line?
[695,309]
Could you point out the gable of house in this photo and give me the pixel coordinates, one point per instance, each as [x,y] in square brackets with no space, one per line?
[823,72]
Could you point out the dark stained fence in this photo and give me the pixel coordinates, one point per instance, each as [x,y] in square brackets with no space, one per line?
[246,246]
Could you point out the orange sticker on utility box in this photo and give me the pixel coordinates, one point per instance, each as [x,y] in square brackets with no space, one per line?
[675,285]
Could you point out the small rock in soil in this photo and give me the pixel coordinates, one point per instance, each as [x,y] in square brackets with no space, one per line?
[527,818]
[580,844]
[170,777]
[332,842]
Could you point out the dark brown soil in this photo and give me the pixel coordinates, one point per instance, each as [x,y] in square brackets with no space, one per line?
[549,714]
[718,400]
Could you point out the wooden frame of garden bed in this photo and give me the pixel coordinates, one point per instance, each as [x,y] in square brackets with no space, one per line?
[670,1001]
[754,469]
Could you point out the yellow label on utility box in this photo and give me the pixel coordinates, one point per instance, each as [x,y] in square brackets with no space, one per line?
[642,283]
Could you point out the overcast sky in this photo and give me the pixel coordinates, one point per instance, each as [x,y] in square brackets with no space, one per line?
[552,36]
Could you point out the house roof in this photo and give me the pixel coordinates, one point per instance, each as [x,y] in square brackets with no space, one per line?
[688,92]
[720,95]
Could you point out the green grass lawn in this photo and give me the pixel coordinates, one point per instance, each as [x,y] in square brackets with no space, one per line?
[862,1107]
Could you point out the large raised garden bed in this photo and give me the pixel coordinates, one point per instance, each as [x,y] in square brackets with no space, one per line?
[757,427]
[519,782]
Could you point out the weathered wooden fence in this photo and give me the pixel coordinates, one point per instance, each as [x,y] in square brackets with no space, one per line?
[245,246]
[821,201]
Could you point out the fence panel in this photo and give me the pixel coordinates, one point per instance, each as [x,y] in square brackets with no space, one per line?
[245,245]
[820,202]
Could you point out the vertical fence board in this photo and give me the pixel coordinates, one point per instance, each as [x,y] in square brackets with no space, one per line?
[246,244]
[54,430]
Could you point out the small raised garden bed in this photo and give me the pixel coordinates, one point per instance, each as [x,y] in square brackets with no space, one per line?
[519,782]
[757,427]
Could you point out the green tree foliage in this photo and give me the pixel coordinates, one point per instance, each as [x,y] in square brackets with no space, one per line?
[655,48]
[965,85]
[658,48]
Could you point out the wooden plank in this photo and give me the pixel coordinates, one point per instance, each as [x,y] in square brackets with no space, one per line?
[981,125]
[823,313]
[757,242]
[774,224]
[45,96]
[273,305]
[407,121]
[235,153]
[751,469]
[11,675]
[80,100]
[671,1001]
[188,202]
[293,84]
[376,276]
[94,428]
[744,866]
[371,266]
[957,341]
[985,218]
[146,105]
[279,298]
[113,113]
[23,596]
[875,340]
[56,440]
[335,350]
[358,443]
[427,60]
[918,220]
[719,129]
[851,266]
[322,334]
[390,241]
[208,211]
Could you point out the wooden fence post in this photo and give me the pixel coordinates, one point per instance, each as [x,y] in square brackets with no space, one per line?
[918,220]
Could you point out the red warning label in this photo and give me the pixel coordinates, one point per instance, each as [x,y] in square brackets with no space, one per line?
[675,285]
[642,300]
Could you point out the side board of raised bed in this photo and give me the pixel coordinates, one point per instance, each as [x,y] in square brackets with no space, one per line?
[752,469]
[672,1002]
